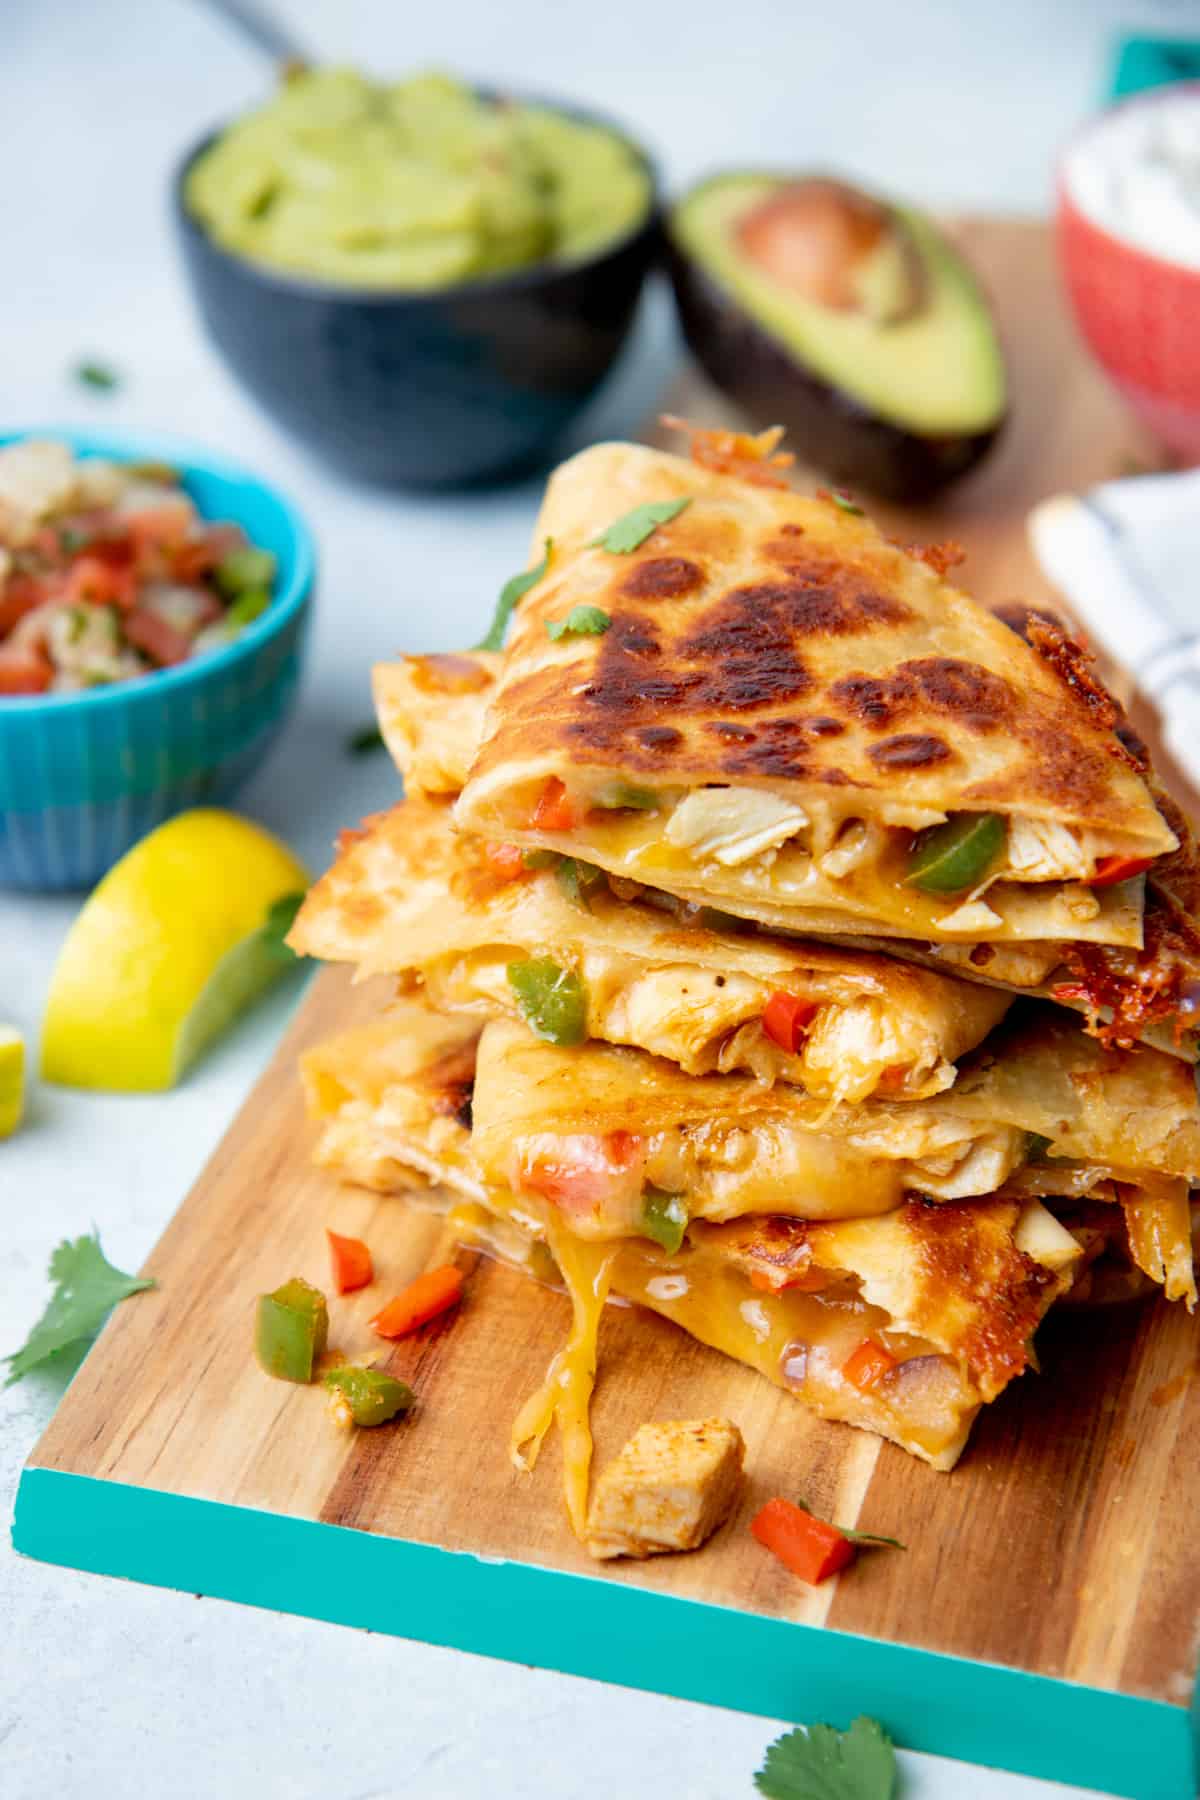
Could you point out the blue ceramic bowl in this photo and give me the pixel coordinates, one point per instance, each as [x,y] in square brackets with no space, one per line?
[84,776]
[459,385]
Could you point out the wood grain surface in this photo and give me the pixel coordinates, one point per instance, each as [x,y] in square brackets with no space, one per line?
[1062,1544]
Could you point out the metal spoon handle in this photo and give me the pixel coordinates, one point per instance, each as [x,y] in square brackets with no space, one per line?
[261,29]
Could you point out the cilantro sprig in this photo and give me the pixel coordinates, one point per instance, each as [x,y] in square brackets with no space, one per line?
[511,594]
[98,375]
[855,1537]
[365,741]
[86,1288]
[631,530]
[818,1763]
[581,621]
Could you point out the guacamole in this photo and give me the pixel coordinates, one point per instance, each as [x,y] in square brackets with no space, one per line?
[414,185]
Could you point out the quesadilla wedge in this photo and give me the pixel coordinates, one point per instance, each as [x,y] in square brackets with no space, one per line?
[765,706]
[947,1298]
[623,1143]
[431,712]
[411,897]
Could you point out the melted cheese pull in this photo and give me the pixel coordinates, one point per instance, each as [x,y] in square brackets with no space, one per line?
[566,1393]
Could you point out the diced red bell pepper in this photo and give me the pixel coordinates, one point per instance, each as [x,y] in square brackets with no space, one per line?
[592,1173]
[784,1019]
[553,811]
[868,1364]
[352,1264]
[422,1300]
[505,861]
[811,1548]
[779,1281]
[1111,869]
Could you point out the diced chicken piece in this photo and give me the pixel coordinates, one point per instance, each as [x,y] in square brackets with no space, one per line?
[37,478]
[972,916]
[1041,850]
[732,825]
[672,1485]
[1040,1236]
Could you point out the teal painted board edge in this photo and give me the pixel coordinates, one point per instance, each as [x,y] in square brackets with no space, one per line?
[1149,62]
[586,1625]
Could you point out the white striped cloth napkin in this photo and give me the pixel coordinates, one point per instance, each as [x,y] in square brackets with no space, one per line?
[1127,557]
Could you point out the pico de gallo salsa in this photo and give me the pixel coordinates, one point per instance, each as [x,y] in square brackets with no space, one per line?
[107,572]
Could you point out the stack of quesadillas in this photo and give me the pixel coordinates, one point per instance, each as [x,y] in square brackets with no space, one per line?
[783,943]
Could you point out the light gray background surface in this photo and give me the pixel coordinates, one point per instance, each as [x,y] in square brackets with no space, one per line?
[107,1689]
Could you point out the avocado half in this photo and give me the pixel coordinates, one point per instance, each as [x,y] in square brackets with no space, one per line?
[852,322]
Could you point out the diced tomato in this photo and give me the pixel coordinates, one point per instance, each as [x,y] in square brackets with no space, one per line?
[778,1281]
[149,632]
[422,1300]
[23,593]
[584,1172]
[553,811]
[1111,869]
[868,1364]
[784,1020]
[102,583]
[505,861]
[810,1548]
[198,555]
[351,1260]
[24,670]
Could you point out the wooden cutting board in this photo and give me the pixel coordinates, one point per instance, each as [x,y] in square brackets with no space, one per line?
[1045,1614]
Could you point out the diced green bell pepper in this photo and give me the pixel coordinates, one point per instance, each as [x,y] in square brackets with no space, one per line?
[551,1000]
[579,881]
[948,858]
[250,604]
[540,859]
[369,1396]
[248,567]
[664,1218]
[291,1330]
[618,795]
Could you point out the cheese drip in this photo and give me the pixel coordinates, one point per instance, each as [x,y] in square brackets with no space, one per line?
[566,1392]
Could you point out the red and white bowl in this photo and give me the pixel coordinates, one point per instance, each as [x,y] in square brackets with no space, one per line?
[1138,310]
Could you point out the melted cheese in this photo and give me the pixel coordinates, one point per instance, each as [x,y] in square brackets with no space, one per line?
[566,1393]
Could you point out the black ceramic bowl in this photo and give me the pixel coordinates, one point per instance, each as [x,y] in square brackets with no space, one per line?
[461,384]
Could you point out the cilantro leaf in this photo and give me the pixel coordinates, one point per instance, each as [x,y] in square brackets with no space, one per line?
[96,375]
[632,529]
[364,741]
[842,499]
[513,591]
[581,621]
[86,1288]
[856,1537]
[819,1763]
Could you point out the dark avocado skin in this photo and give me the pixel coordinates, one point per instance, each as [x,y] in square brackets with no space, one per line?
[825,425]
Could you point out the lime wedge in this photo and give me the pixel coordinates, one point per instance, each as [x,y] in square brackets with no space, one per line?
[178,940]
[12,1079]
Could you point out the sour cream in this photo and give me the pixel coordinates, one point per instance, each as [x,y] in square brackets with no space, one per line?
[1136,174]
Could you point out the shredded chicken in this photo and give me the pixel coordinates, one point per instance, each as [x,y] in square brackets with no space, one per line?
[733,825]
